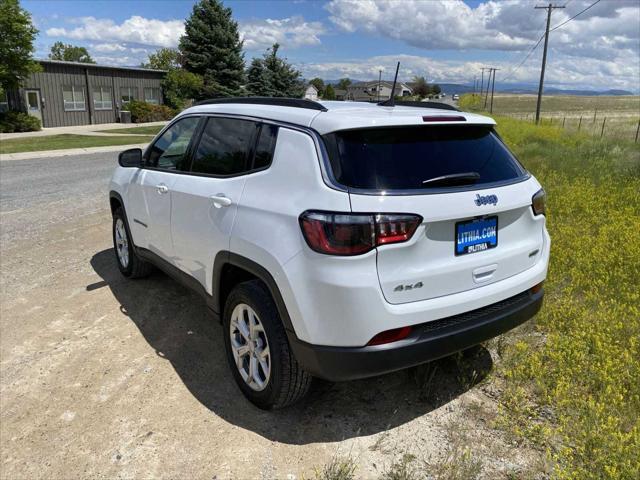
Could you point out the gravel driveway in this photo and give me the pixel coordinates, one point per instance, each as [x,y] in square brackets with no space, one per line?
[109,378]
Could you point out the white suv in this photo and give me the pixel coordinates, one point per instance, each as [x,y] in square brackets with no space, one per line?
[337,240]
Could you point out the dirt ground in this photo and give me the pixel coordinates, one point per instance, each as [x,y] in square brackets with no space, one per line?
[105,377]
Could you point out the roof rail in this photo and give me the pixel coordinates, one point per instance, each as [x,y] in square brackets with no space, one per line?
[441,106]
[281,102]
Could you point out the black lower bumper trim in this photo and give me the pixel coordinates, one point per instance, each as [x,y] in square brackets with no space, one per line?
[428,341]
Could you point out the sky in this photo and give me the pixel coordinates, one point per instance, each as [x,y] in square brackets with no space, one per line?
[446,41]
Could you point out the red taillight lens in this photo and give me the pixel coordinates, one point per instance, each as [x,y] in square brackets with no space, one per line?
[389,336]
[539,202]
[355,234]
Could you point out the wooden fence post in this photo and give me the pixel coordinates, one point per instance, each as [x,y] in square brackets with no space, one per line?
[637,130]
[594,115]
[563,119]
[602,131]
[580,123]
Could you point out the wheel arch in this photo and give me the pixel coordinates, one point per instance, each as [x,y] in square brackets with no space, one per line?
[115,201]
[229,269]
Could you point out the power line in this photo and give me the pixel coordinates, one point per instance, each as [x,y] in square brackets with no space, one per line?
[576,15]
[514,70]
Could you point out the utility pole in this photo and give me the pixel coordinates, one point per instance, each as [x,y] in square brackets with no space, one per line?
[486,97]
[549,9]
[493,86]
[482,81]
[379,82]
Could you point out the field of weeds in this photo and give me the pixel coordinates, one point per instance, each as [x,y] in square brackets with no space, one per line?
[569,386]
[614,117]
[575,390]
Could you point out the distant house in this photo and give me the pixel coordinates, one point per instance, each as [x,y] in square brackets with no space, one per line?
[72,93]
[375,91]
[311,93]
[341,94]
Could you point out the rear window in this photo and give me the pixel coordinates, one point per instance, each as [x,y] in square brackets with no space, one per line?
[403,158]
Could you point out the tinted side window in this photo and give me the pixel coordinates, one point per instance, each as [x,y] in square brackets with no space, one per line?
[169,151]
[225,147]
[265,147]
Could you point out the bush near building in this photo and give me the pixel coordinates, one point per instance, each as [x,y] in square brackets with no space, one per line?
[11,122]
[142,112]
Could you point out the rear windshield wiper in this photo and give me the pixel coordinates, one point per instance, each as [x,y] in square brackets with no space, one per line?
[466,178]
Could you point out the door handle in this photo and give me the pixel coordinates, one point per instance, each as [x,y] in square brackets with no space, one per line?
[220,200]
[162,188]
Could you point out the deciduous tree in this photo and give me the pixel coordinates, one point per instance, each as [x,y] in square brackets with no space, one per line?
[17,34]
[70,53]
[164,59]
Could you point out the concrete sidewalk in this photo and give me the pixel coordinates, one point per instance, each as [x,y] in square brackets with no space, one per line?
[81,130]
[4,157]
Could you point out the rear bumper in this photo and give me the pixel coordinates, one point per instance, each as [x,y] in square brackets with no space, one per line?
[428,341]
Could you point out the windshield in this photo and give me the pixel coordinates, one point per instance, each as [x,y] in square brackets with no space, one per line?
[403,158]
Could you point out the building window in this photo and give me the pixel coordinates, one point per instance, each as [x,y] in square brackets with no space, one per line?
[128,94]
[102,98]
[152,95]
[4,102]
[73,97]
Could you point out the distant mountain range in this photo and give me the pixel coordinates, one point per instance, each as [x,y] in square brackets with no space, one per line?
[522,89]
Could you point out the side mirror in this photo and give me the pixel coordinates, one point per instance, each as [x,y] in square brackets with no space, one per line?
[130,158]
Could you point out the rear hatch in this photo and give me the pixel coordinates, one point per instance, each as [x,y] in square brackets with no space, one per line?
[474,198]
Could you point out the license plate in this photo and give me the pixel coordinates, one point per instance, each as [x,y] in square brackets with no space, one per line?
[476,235]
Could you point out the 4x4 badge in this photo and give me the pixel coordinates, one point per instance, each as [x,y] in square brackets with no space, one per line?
[486,200]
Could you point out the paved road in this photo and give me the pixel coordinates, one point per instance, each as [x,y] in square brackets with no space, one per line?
[103,377]
[31,190]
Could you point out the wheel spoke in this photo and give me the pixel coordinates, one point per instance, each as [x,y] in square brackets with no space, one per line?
[250,347]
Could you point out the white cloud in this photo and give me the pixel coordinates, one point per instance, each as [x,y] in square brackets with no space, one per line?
[506,25]
[564,72]
[136,29]
[289,32]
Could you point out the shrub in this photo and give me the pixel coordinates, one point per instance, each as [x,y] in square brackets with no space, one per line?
[147,112]
[18,122]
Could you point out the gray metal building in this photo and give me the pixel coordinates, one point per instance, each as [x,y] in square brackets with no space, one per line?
[71,93]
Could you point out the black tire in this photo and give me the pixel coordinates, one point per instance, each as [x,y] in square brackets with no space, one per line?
[288,382]
[135,267]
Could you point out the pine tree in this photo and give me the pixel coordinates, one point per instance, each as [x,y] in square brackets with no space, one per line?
[258,81]
[285,80]
[272,76]
[211,47]
[329,93]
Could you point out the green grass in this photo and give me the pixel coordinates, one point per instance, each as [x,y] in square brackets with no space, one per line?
[149,130]
[58,142]
[577,392]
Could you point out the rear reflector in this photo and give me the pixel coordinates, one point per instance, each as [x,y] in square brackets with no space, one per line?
[389,336]
[355,233]
[444,118]
[536,288]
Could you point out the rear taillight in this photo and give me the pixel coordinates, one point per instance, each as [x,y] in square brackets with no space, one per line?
[539,202]
[355,233]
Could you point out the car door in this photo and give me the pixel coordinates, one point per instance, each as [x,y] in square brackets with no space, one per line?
[205,203]
[150,194]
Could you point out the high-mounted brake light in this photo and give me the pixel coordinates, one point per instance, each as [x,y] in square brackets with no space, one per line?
[539,202]
[355,233]
[444,118]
